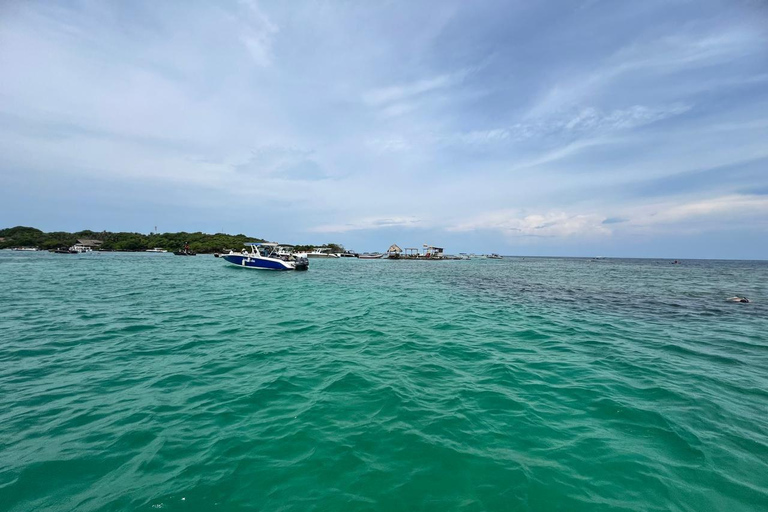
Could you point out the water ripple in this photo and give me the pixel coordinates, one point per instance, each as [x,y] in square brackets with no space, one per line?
[148,382]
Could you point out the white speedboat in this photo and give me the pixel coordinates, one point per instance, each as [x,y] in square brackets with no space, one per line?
[322,252]
[80,249]
[285,251]
[265,256]
[156,249]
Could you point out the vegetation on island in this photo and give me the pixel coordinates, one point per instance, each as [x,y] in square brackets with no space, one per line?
[21,236]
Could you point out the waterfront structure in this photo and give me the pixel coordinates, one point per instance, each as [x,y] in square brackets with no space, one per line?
[394,251]
[86,245]
[433,252]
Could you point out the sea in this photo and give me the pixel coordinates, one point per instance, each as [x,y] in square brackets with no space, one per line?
[155,382]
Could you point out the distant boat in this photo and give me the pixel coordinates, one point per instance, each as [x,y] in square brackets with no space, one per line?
[322,252]
[265,256]
[156,249]
[25,249]
[349,254]
[494,256]
[80,249]
[371,256]
[185,251]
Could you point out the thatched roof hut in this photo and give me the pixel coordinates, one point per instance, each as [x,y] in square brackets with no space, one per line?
[394,249]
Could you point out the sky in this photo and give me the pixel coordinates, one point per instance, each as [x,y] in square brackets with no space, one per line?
[563,128]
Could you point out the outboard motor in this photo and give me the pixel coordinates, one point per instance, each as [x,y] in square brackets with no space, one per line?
[302,263]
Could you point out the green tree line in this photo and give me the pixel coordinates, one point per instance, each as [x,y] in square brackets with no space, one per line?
[21,236]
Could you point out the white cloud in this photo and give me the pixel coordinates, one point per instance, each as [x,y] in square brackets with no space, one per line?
[369,223]
[677,216]
[646,59]
[592,119]
[388,145]
[716,211]
[399,93]
[577,122]
[257,32]
[549,224]
[482,137]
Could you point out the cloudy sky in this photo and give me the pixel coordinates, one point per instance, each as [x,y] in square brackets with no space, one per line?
[612,128]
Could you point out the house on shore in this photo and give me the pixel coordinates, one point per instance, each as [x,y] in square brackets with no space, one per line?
[431,251]
[85,245]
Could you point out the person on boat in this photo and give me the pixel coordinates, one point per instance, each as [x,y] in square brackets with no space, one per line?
[186,246]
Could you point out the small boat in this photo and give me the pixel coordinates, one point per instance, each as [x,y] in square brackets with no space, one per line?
[63,250]
[265,256]
[371,256]
[349,254]
[25,249]
[284,251]
[185,251]
[322,252]
[80,249]
[494,256]
[156,249]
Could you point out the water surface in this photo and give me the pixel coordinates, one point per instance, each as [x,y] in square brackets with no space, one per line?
[148,381]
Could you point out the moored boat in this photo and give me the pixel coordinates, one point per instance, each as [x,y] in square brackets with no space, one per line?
[322,252]
[156,249]
[80,249]
[266,256]
[186,251]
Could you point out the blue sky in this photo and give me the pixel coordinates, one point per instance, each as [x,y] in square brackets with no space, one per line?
[610,128]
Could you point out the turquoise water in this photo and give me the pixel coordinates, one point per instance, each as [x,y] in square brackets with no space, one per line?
[148,381]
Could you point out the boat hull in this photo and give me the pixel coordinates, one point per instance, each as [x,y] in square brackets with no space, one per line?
[249,261]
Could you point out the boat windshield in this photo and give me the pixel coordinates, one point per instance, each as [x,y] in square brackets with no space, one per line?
[264,251]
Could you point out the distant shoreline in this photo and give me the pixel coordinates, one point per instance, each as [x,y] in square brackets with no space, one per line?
[109,241]
[203,243]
